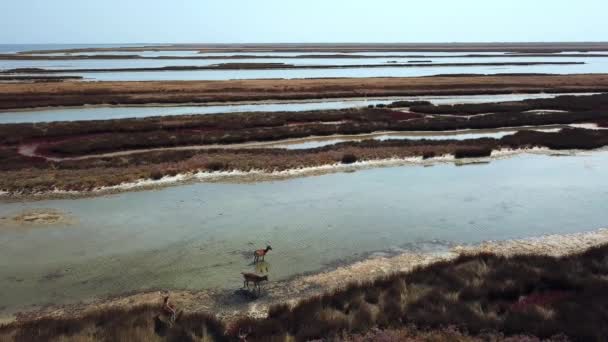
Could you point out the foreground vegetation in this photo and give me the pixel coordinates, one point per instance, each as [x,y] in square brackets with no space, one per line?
[470,298]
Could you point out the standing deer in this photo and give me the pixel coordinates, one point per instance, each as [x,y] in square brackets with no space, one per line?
[260,253]
[255,279]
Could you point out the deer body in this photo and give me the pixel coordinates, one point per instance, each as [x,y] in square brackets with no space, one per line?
[253,278]
[260,254]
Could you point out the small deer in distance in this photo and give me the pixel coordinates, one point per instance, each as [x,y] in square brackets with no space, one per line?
[261,253]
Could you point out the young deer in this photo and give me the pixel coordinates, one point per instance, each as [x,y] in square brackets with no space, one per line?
[260,253]
[255,279]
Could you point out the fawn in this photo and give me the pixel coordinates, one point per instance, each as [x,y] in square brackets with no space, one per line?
[255,279]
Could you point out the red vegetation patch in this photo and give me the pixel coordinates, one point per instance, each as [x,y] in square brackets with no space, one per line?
[540,299]
[602,123]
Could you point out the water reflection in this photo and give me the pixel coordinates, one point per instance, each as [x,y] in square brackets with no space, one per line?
[262,267]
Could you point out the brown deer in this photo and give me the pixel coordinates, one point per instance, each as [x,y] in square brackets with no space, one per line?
[260,253]
[255,279]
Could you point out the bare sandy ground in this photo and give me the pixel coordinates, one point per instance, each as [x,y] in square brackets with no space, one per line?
[35,219]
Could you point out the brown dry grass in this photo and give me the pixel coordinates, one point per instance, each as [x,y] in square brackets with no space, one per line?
[79,93]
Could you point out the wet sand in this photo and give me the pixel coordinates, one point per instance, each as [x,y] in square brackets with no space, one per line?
[35,219]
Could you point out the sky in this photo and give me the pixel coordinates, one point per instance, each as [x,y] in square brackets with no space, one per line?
[268,21]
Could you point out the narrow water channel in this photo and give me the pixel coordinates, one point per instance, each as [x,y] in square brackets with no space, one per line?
[120,112]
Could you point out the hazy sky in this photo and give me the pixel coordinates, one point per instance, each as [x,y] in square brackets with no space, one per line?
[183,21]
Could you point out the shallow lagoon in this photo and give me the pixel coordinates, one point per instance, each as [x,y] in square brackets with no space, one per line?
[201,235]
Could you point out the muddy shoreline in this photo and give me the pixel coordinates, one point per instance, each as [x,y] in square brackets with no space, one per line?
[68,94]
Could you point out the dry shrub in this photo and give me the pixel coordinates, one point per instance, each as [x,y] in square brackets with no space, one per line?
[472,152]
[363,319]
[349,159]
[215,166]
[156,175]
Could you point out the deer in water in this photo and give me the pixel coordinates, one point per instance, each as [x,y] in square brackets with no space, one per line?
[255,279]
[260,253]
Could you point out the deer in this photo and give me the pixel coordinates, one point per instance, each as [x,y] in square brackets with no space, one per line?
[255,279]
[260,253]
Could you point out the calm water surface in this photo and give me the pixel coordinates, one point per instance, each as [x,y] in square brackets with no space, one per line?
[151,63]
[600,65]
[476,134]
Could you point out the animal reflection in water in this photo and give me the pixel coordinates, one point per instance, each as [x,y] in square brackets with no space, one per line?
[262,267]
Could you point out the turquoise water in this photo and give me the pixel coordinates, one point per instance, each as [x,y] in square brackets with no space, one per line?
[202,235]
